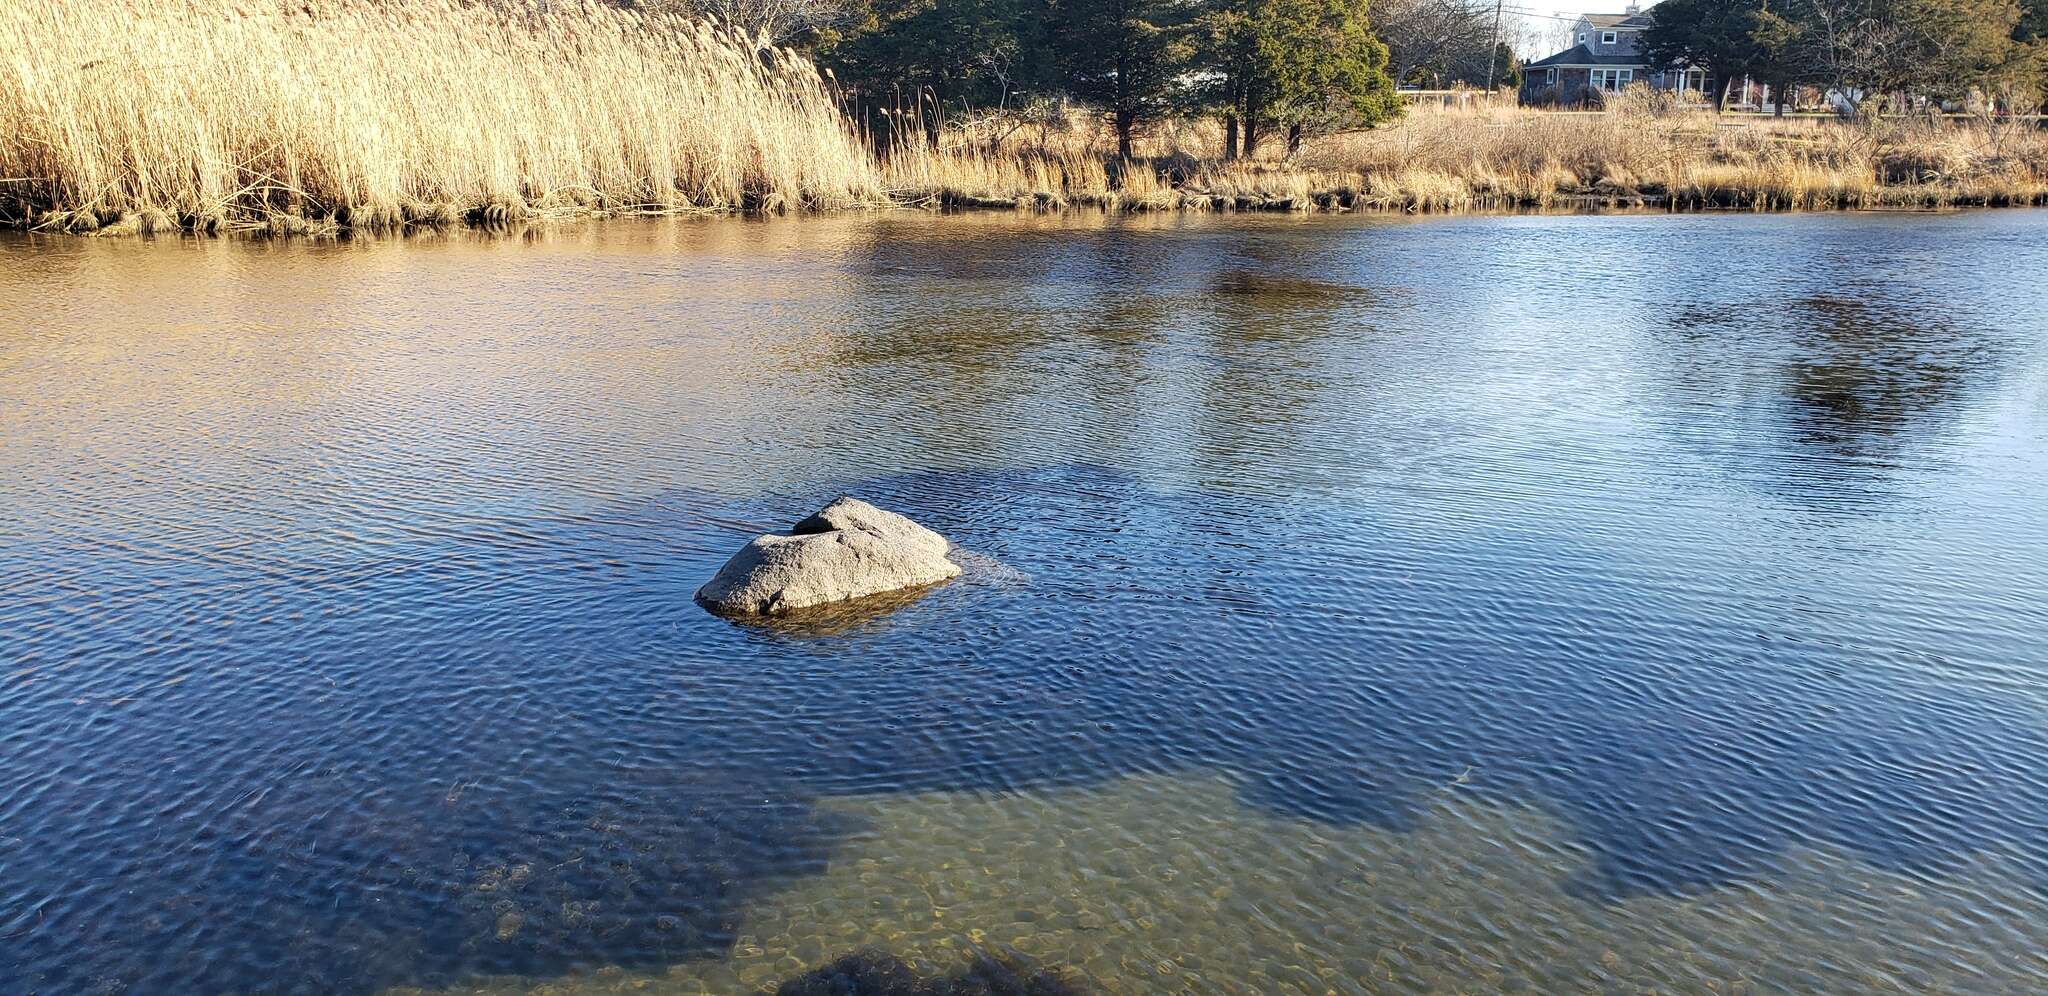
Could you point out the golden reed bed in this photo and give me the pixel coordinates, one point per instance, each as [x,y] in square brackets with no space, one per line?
[323,115]
[204,113]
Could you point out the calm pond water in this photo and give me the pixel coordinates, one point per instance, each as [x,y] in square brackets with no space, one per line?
[1354,605]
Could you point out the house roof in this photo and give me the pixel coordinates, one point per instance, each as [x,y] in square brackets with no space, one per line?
[1580,55]
[1638,21]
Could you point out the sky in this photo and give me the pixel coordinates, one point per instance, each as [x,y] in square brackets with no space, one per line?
[1549,21]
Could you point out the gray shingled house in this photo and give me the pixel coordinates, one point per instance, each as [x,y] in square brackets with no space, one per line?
[1605,56]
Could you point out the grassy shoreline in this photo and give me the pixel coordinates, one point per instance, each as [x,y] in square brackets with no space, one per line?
[1643,152]
[323,116]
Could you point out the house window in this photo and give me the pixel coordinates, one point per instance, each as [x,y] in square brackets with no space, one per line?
[1611,79]
[1550,75]
[1607,37]
[1582,38]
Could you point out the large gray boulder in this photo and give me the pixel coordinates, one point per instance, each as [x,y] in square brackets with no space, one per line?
[849,549]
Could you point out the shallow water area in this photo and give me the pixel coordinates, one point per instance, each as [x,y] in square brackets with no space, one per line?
[1617,603]
[1163,884]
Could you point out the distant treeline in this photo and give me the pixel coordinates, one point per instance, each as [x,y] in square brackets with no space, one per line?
[1868,53]
[1279,69]
[1264,66]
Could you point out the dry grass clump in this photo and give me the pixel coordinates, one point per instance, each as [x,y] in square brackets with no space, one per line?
[1647,149]
[1051,179]
[200,114]
[1070,161]
[1048,179]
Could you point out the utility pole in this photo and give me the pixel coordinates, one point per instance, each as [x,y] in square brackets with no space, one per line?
[1493,49]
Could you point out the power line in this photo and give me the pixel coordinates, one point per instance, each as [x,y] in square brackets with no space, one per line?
[1493,50]
[1525,12]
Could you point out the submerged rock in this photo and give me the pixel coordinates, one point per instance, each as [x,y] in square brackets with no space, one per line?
[849,549]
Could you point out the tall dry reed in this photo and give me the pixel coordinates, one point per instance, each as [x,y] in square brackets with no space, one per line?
[370,113]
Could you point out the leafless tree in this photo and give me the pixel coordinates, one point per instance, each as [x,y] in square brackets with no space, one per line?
[1438,39]
[1937,49]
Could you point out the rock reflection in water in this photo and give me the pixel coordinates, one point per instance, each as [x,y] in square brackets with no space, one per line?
[833,619]
[1169,884]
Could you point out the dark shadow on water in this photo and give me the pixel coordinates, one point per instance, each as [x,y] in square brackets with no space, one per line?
[619,773]
[1265,290]
[1859,382]
[417,713]
[646,868]
[324,888]
[878,973]
[1681,769]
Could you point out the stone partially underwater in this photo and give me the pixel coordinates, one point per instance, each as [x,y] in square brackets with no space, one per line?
[848,550]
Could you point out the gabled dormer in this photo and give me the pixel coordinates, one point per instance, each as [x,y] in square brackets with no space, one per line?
[1611,35]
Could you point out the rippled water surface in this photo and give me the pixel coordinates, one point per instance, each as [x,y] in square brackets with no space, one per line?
[1554,604]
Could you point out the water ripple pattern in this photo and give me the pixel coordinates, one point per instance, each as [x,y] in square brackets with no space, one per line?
[1361,605]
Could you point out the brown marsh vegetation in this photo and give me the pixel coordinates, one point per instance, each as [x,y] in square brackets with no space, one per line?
[323,115]
[1643,150]
[201,114]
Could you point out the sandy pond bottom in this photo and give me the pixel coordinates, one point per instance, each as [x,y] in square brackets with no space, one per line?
[1167,883]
